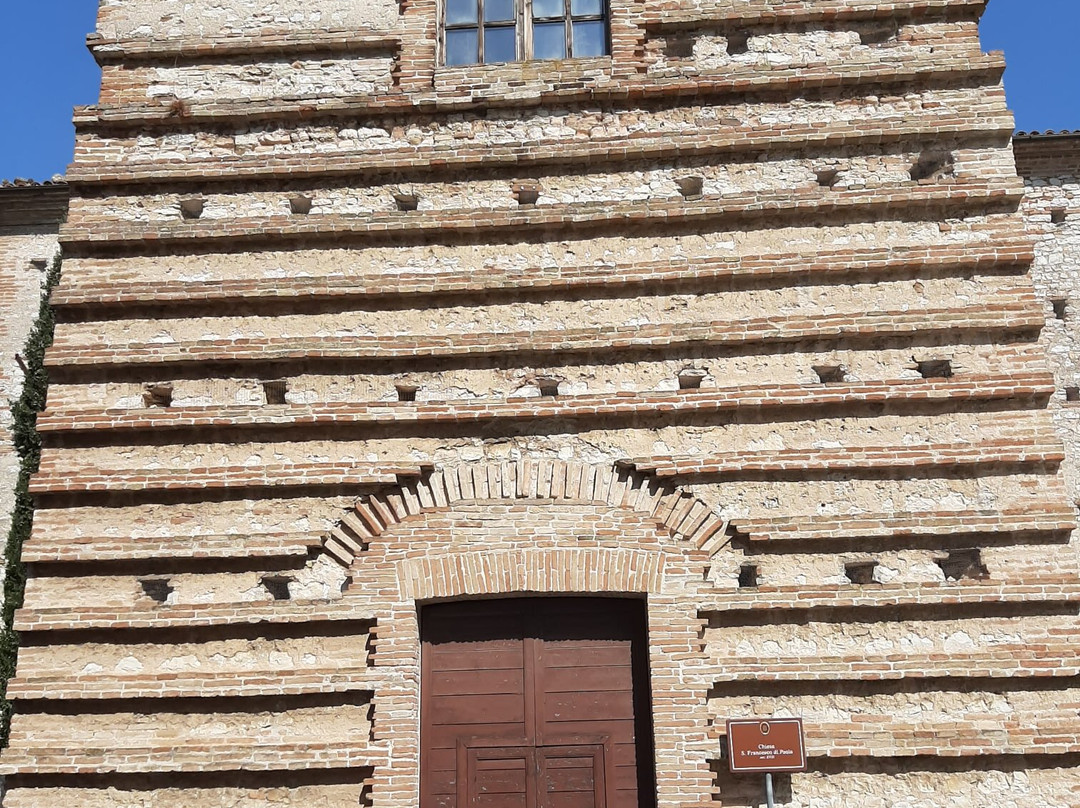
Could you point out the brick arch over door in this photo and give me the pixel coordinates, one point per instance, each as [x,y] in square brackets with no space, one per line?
[687,519]
[535,527]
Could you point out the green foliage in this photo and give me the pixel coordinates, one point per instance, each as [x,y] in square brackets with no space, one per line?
[28,445]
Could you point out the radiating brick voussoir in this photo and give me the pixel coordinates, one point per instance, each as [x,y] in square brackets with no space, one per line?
[685,517]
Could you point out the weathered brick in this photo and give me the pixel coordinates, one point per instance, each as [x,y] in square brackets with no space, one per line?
[488,398]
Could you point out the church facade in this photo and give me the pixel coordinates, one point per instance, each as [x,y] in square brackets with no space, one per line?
[478,402]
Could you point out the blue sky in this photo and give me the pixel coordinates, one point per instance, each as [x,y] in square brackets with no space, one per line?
[46,70]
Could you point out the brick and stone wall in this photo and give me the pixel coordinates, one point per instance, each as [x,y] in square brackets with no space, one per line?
[765,350]
[1050,165]
[30,216]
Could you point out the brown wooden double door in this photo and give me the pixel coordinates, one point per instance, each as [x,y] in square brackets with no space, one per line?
[535,703]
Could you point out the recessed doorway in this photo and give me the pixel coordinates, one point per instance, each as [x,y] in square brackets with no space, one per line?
[536,703]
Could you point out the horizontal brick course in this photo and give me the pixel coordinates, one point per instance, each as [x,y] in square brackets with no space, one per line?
[1054,657]
[1056,589]
[66,479]
[251,682]
[1048,156]
[101,167]
[568,89]
[85,235]
[1035,517]
[1021,390]
[767,12]
[91,291]
[45,618]
[263,43]
[1034,449]
[1013,312]
[179,755]
[45,546]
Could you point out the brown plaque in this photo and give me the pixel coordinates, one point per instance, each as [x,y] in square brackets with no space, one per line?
[766,745]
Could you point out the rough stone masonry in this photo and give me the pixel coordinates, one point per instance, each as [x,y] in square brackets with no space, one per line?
[738,319]
[30,216]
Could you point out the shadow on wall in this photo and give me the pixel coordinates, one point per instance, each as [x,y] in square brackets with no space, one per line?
[748,790]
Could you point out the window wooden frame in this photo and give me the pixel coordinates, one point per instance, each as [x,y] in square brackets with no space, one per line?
[523,23]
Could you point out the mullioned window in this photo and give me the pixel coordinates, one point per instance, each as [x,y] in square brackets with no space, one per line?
[492,31]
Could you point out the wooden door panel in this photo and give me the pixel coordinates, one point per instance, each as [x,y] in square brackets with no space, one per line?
[507,778]
[625,777]
[491,776]
[469,621]
[572,776]
[577,616]
[578,799]
[446,736]
[443,782]
[623,754]
[478,682]
[586,678]
[534,703]
[500,801]
[562,656]
[600,705]
[575,777]
[476,658]
[442,759]
[621,732]
[507,708]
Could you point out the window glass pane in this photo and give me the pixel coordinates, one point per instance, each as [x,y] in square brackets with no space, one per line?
[500,44]
[549,41]
[587,8]
[548,8]
[589,39]
[462,46]
[461,12]
[498,10]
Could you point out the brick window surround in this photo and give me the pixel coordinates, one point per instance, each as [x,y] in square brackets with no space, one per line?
[492,31]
